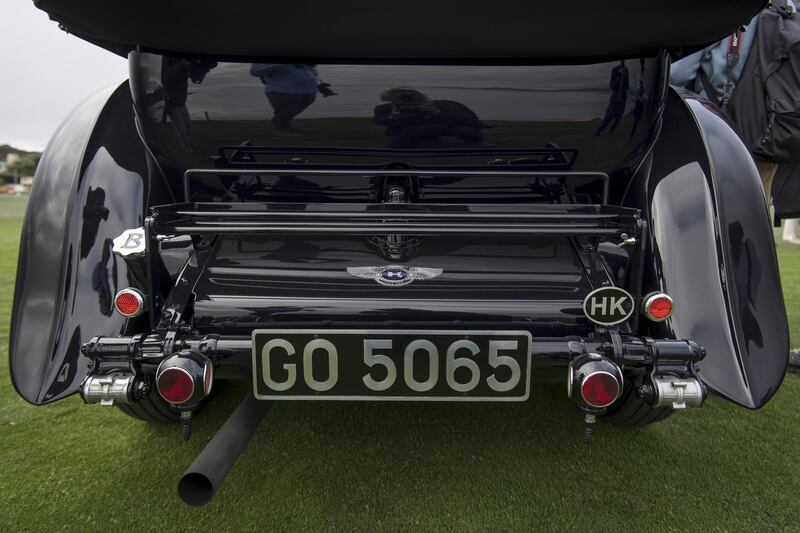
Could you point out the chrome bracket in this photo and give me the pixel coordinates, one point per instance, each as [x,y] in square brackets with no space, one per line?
[627,240]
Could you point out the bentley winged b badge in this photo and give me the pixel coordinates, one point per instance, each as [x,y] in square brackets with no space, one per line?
[394,275]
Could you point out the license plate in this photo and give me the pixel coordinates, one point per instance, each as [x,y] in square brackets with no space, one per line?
[391,365]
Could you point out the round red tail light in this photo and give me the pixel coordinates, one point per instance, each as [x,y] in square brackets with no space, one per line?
[129,302]
[658,306]
[175,385]
[600,389]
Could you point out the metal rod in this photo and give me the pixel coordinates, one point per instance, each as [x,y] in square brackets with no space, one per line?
[404,172]
[402,214]
[417,152]
[391,228]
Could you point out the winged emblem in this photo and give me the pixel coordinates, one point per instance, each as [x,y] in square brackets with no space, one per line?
[394,275]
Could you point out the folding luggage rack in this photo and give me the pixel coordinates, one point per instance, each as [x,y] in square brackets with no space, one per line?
[548,158]
[411,219]
[210,218]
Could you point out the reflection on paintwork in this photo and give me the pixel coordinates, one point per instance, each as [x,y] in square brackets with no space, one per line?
[412,119]
[102,277]
[290,90]
[250,282]
[687,265]
[618,100]
[713,251]
[747,243]
[94,212]
[33,322]
[46,336]
[279,105]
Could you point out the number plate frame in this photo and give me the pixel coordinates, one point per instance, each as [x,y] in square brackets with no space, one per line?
[523,355]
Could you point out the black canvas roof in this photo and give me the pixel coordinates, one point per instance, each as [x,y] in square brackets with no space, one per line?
[415,30]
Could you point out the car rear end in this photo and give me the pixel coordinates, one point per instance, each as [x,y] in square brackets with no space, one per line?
[359,207]
[327,263]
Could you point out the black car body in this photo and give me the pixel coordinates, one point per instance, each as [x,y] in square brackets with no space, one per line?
[449,213]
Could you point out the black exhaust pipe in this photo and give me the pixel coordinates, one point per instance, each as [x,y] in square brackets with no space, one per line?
[205,475]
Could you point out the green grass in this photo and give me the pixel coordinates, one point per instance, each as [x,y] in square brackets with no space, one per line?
[789,257]
[12,207]
[374,466]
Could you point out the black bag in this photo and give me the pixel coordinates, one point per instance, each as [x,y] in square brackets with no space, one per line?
[766,102]
[786,192]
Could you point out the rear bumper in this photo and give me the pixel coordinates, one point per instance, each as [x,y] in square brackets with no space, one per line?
[233,356]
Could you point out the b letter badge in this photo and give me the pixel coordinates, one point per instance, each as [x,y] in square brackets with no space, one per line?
[130,244]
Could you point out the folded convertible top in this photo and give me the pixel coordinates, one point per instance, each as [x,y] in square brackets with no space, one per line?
[415,30]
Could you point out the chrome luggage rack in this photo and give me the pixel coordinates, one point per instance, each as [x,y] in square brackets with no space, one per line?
[422,218]
[409,219]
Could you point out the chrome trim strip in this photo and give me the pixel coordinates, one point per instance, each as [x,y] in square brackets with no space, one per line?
[570,377]
[208,377]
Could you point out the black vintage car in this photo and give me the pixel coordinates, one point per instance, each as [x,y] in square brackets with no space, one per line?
[440,202]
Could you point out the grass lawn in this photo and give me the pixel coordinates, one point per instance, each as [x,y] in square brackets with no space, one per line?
[393,466]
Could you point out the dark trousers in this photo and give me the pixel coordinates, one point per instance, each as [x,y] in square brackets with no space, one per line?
[614,113]
[286,106]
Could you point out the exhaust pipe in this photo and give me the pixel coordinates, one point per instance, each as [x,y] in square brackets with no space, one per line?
[206,474]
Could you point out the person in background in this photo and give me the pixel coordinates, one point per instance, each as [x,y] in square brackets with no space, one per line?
[617,101]
[412,119]
[175,75]
[716,69]
[290,89]
[791,231]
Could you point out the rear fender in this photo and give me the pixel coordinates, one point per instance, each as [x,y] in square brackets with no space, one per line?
[712,250]
[88,188]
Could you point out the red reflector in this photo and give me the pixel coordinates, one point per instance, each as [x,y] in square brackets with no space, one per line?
[661,308]
[600,389]
[175,385]
[129,302]
[658,307]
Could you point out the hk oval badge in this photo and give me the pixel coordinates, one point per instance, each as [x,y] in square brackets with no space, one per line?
[608,306]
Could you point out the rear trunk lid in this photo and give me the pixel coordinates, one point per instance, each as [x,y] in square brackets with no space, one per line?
[198,113]
[251,282]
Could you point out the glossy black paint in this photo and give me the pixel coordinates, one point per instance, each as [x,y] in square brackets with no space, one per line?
[713,253]
[89,187]
[191,109]
[710,246]
[468,31]
[252,282]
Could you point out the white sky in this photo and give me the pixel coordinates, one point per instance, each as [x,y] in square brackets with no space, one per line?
[44,73]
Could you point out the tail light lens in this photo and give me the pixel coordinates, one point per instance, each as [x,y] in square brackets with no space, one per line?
[658,306]
[185,378]
[600,389]
[129,302]
[594,381]
[175,385]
